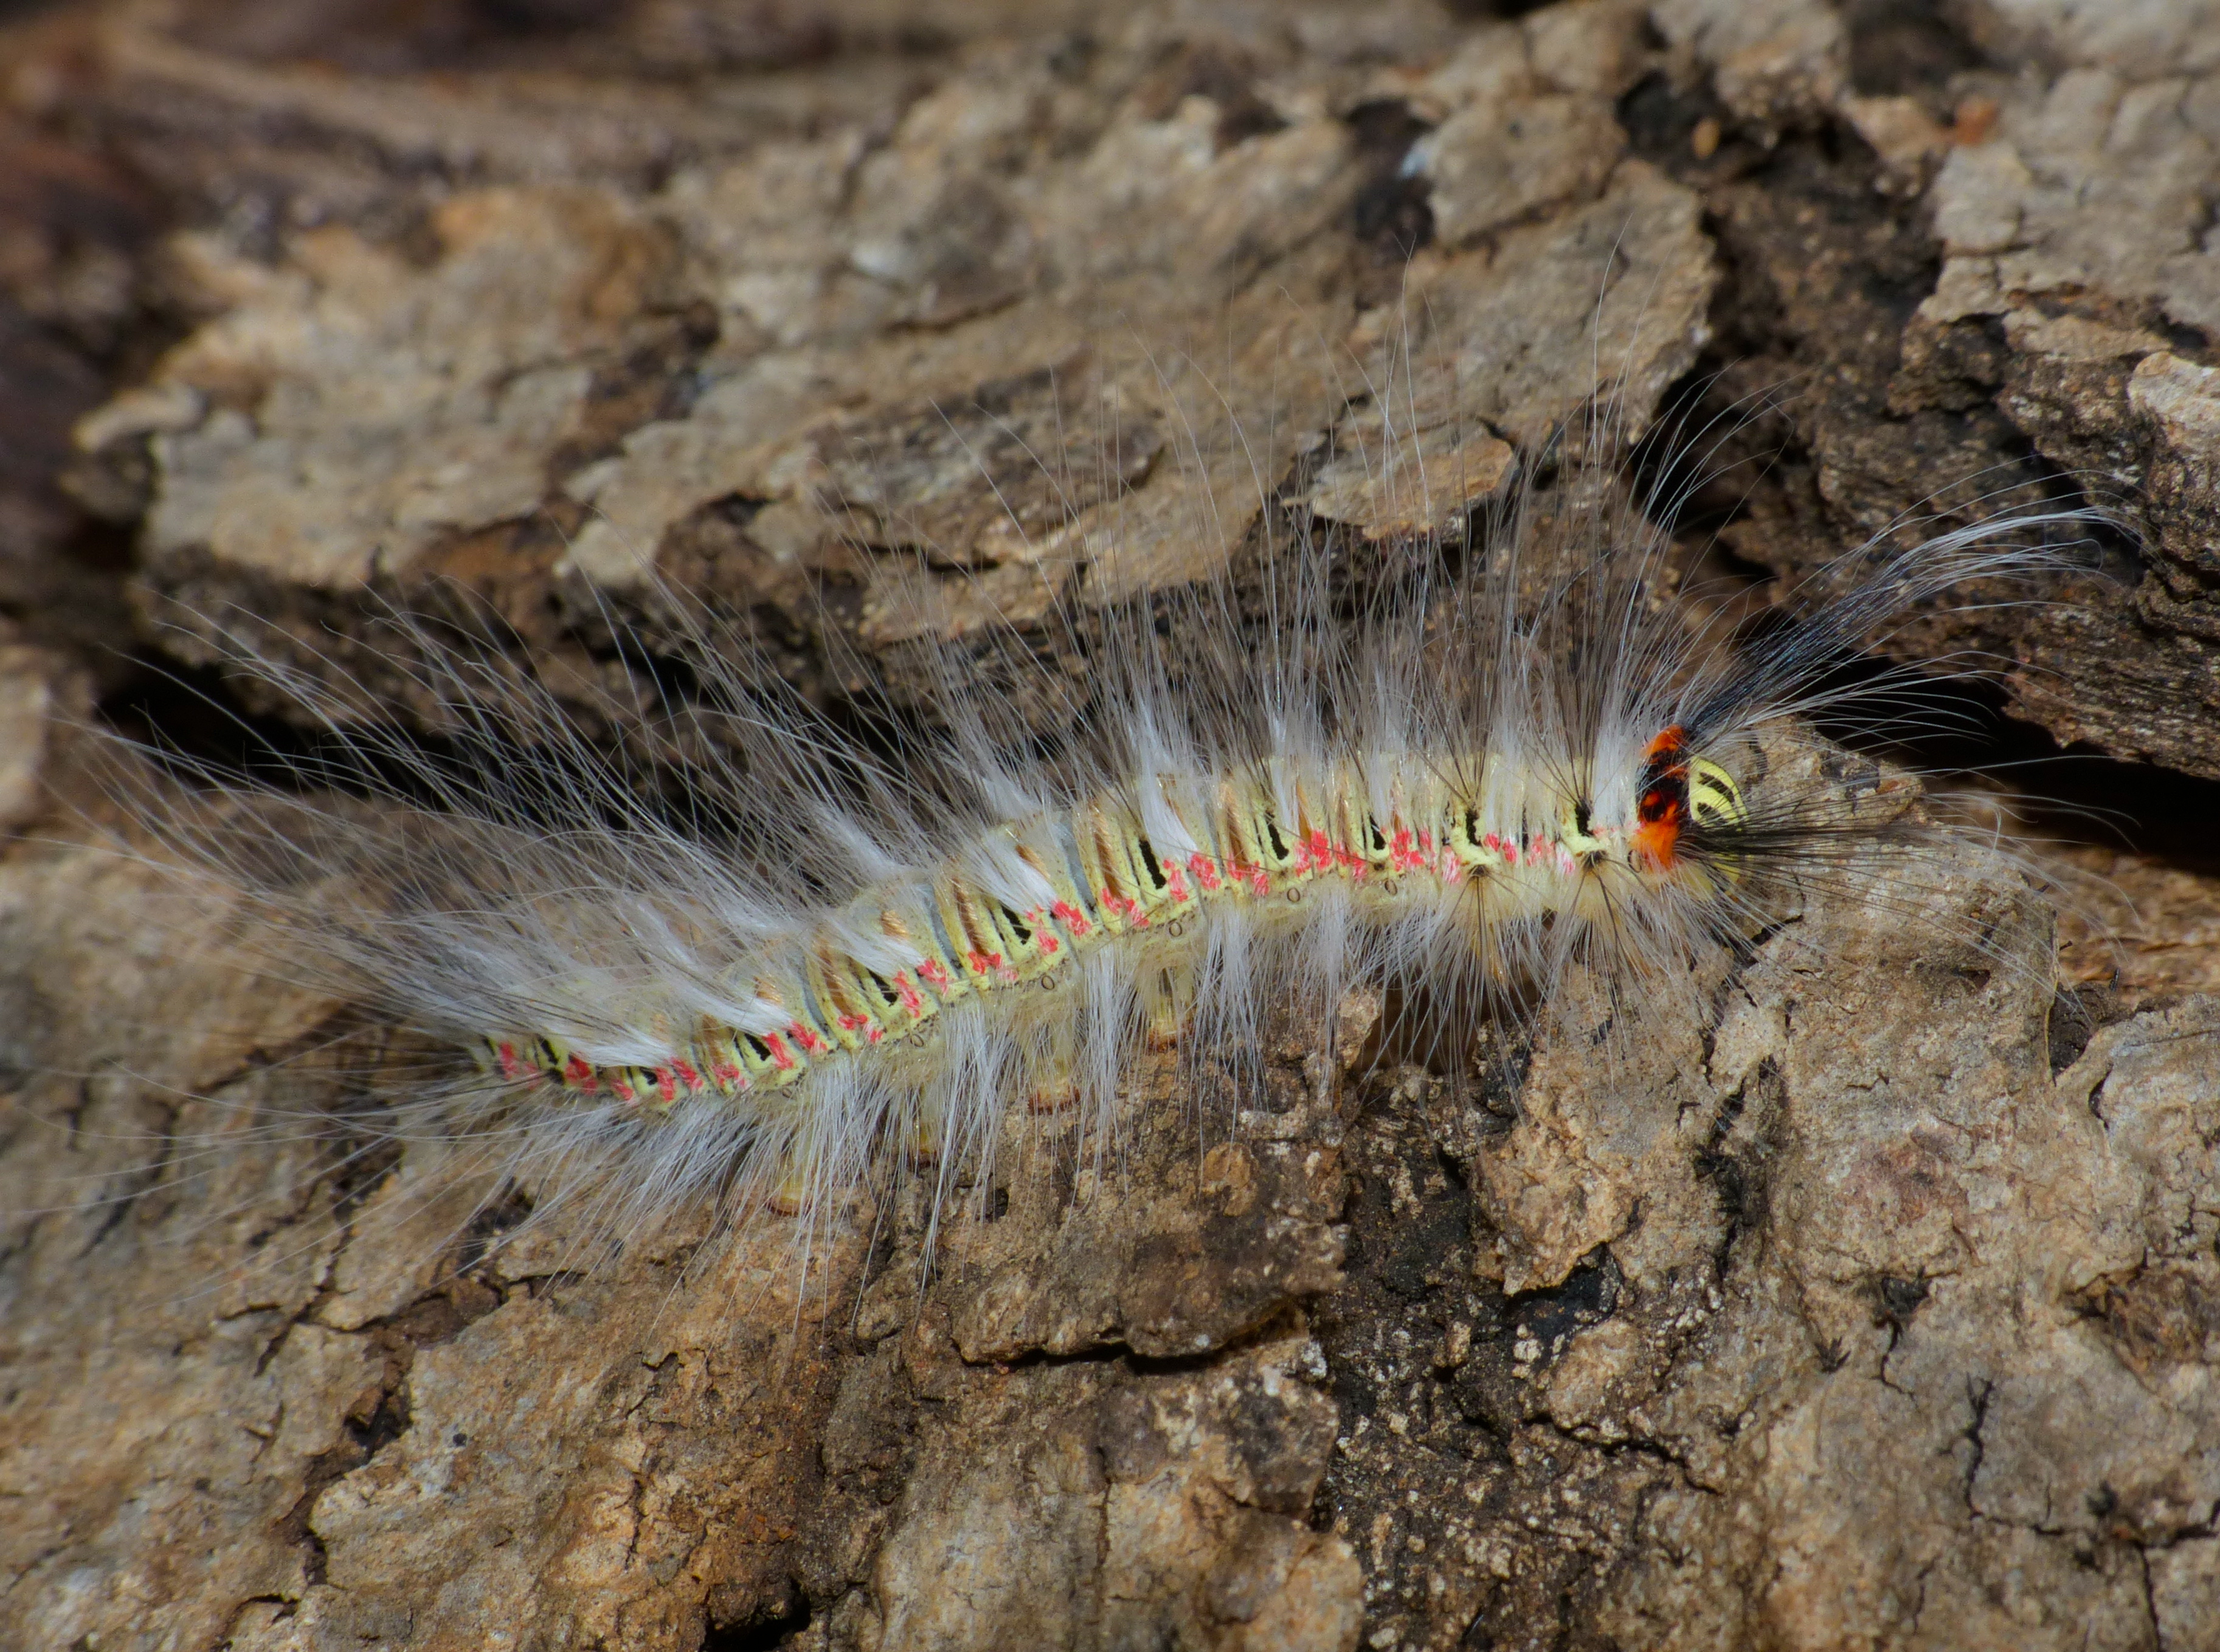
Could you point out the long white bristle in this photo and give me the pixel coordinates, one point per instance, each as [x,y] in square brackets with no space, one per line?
[1445,780]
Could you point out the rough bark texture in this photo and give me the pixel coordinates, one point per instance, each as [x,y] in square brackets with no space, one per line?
[1879,1306]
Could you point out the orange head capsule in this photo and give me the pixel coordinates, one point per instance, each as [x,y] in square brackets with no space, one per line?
[1661,813]
[1683,793]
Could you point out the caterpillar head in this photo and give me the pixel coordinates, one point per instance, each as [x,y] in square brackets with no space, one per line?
[1681,796]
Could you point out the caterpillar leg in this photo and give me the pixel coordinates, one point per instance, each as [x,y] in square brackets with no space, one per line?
[790,1193]
[925,1139]
[1166,1005]
[1053,1088]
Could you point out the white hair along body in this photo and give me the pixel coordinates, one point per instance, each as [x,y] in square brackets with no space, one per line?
[819,960]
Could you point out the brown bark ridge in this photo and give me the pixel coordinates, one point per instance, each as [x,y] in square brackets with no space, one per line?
[1879,1307]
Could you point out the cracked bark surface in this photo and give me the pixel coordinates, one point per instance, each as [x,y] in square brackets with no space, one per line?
[1876,1305]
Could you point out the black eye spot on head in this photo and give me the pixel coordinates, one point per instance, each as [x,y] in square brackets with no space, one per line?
[1663,799]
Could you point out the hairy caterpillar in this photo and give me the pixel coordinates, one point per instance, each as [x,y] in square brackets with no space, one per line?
[801,958]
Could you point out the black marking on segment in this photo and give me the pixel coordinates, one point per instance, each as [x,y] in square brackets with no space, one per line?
[1152,867]
[813,1013]
[549,1063]
[1116,865]
[1478,870]
[1279,845]
[887,995]
[950,956]
[1019,929]
[1074,862]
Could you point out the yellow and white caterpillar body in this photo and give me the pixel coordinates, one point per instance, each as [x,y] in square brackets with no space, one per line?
[803,959]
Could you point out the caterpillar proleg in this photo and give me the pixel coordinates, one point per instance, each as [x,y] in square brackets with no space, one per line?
[786,955]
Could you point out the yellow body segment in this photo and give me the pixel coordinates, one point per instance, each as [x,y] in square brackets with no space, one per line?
[1263,835]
